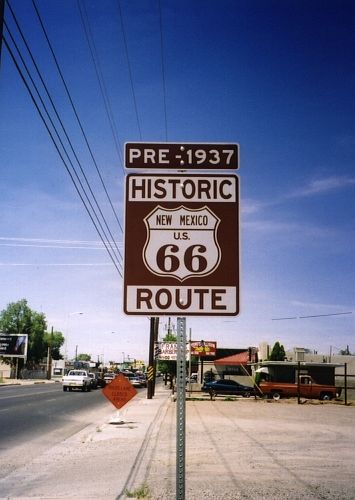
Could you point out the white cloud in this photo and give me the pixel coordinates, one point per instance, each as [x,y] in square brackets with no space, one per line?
[321,186]
[315,187]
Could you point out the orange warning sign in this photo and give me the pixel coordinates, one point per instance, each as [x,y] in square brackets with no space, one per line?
[119,391]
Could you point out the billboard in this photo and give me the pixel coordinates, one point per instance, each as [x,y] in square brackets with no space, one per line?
[13,345]
[167,351]
[203,348]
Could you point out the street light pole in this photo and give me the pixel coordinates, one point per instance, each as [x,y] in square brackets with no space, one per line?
[67,329]
[49,356]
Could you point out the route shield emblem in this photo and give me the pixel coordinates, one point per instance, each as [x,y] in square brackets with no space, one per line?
[181,242]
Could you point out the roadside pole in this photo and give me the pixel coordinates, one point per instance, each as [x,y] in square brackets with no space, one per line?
[180,408]
[150,390]
[189,361]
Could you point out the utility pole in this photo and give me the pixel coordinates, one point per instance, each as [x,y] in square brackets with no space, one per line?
[49,356]
[154,323]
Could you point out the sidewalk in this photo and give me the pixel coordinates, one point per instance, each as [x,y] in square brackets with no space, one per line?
[103,461]
[18,381]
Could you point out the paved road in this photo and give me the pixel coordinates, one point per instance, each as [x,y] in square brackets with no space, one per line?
[27,412]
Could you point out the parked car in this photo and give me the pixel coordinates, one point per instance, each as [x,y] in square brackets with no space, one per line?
[228,387]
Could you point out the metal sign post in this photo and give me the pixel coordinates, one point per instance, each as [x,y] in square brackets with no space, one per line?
[180,408]
[181,243]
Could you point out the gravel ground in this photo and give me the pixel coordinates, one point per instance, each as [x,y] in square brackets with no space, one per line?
[258,450]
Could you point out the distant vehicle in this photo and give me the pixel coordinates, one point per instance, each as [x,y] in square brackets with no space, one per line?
[94,380]
[101,382]
[227,387]
[77,379]
[143,379]
[136,381]
[307,388]
[109,376]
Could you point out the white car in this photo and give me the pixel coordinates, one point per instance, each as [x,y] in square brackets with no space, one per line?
[108,377]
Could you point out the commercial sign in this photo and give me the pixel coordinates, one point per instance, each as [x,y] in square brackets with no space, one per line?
[167,351]
[119,391]
[181,156]
[13,345]
[181,245]
[203,348]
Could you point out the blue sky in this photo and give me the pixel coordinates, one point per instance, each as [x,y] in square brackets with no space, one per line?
[276,77]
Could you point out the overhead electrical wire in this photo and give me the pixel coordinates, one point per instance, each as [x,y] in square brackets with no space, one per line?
[76,113]
[12,55]
[129,69]
[64,130]
[93,51]
[65,133]
[106,242]
[312,316]
[163,70]
[103,90]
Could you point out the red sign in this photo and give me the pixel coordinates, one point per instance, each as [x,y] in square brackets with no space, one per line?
[203,348]
[119,391]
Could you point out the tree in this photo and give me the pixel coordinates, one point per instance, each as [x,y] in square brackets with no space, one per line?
[54,340]
[168,368]
[19,318]
[278,352]
[84,357]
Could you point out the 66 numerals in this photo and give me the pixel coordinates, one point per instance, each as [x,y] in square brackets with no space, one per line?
[169,258]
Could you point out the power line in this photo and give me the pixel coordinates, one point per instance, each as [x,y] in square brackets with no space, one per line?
[57,134]
[76,113]
[312,316]
[129,69]
[95,59]
[163,70]
[56,146]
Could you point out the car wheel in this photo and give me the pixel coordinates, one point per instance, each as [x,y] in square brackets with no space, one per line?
[276,396]
[64,388]
[325,396]
[247,395]
[70,389]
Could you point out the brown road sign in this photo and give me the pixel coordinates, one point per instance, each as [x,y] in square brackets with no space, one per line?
[181,155]
[182,245]
[119,391]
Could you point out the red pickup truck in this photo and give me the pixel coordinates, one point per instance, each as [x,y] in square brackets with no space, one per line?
[307,388]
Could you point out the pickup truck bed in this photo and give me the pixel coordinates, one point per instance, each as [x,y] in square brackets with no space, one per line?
[308,388]
[77,379]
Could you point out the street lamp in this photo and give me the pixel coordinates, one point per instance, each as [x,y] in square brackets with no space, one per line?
[67,330]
